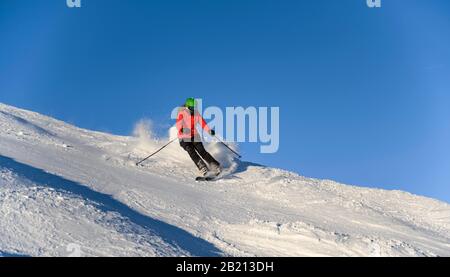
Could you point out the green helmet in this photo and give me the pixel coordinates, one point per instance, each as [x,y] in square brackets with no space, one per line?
[190,103]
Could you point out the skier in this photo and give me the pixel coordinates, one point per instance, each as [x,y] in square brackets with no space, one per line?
[187,120]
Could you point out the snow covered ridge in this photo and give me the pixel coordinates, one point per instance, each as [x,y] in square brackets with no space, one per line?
[66,191]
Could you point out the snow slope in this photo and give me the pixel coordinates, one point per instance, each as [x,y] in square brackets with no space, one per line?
[66,191]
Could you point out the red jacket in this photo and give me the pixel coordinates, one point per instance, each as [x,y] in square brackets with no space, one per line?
[186,123]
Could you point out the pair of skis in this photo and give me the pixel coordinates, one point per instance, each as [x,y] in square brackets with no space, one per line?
[209,178]
[224,173]
[206,178]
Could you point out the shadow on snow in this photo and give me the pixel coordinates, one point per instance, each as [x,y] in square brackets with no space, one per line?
[172,235]
[12,255]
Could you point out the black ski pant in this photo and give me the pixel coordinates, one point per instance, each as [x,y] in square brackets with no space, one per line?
[198,154]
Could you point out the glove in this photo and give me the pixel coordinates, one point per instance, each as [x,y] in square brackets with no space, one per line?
[212,132]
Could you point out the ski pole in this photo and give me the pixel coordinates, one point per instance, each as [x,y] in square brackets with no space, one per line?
[229,148]
[156,152]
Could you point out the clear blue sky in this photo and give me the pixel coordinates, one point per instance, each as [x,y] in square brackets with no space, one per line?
[364,93]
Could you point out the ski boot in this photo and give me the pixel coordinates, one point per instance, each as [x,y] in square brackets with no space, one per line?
[216,169]
[204,171]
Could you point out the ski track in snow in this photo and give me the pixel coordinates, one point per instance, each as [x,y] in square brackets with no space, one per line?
[62,186]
